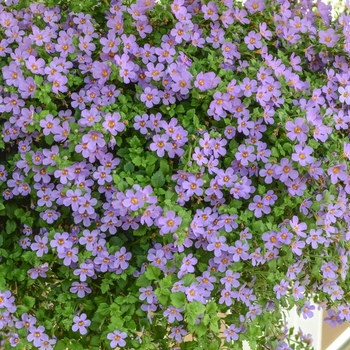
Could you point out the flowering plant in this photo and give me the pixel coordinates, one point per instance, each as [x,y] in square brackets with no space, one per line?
[174,175]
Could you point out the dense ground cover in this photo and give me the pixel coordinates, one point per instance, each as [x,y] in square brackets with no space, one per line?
[169,169]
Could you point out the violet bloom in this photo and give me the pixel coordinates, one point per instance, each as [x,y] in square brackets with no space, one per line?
[307,309]
[84,271]
[121,260]
[281,289]
[150,97]
[36,334]
[239,251]
[69,255]
[337,173]
[298,291]
[253,40]
[329,270]
[187,266]
[285,170]
[193,186]
[231,333]
[160,144]
[328,37]
[206,281]
[113,124]
[178,333]
[206,81]
[302,155]
[344,94]
[40,246]
[117,339]
[173,314]
[14,340]
[226,297]
[80,288]
[297,227]
[182,83]
[259,207]
[218,245]
[141,123]
[147,294]
[245,154]
[297,130]
[231,279]
[80,324]
[38,271]
[169,223]
[61,241]
[315,238]
[333,318]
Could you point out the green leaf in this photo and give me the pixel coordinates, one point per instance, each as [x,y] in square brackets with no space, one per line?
[178,299]
[10,226]
[60,345]
[157,179]
[103,309]
[164,166]
[142,281]
[105,286]
[200,329]
[152,272]
[188,279]
[29,301]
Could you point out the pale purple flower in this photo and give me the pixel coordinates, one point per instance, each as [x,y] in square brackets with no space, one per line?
[80,324]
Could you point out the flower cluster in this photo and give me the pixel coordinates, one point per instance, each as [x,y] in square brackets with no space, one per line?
[168,168]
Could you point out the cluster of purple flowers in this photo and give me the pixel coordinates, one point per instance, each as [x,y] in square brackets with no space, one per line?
[229,172]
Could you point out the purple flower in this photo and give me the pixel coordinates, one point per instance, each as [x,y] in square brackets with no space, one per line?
[253,40]
[245,154]
[36,335]
[231,333]
[148,294]
[177,333]
[40,246]
[160,144]
[80,324]
[307,310]
[112,123]
[193,186]
[302,155]
[329,269]
[169,223]
[218,245]
[187,265]
[150,97]
[173,314]
[298,291]
[14,340]
[80,288]
[328,37]
[231,279]
[297,130]
[61,241]
[239,251]
[121,260]
[285,170]
[259,207]
[333,318]
[84,271]
[338,172]
[281,289]
[315,238]
[117,339]
[206,81]
[38,270]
